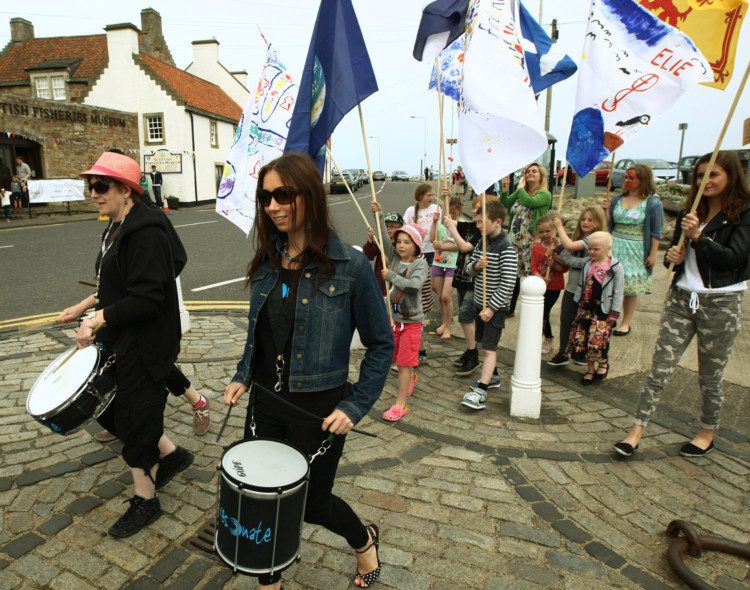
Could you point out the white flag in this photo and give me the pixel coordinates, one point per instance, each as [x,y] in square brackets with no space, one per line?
[500,129]
[260,138]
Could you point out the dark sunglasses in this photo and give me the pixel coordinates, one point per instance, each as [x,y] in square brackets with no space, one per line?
[100,186]
[284,195]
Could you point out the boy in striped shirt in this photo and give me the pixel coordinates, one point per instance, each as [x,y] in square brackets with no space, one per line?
[501,264]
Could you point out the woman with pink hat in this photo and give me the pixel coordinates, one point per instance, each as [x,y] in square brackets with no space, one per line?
[136,318]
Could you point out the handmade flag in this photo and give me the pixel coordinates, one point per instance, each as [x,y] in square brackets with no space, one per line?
[500,129]
[337,77]
[546,62]
[260,138]
[443,21]
[451,68]
[713,26]
[633,68]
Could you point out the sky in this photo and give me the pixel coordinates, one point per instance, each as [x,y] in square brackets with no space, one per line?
[401,120]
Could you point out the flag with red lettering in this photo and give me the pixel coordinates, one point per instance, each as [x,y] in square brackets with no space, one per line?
[633,68]
[260,138]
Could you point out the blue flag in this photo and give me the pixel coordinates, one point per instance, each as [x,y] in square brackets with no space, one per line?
[547,64]
[338,76]
[443,21]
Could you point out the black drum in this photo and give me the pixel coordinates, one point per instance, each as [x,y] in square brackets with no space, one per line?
[260,505]
[70,394]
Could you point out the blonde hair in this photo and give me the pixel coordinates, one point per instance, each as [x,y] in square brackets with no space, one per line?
[603,237]
[542,177]
[600,221]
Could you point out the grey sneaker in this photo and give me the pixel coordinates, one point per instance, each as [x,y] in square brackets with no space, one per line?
[140,513]
[170,465]
[475,399]
[494,383]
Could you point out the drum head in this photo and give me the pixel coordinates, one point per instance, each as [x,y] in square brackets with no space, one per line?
[263,463]
[54,390]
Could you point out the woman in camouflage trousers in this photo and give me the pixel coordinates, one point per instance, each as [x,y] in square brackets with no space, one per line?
[705,297]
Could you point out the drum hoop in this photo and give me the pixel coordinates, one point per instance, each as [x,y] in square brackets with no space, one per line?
[72,398]
[239,485]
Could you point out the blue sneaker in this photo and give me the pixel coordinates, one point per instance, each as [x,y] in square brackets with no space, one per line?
[494,383]
[422,356]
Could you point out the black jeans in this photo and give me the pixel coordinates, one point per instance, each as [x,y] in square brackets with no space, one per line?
[275,419]
[550,298]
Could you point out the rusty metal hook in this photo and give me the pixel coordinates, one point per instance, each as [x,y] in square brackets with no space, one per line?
[695,543]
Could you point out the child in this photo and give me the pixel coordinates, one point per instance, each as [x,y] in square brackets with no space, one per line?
[574,253]
[393,221]
[406,274]
[500,264]
[444,267]
[422,213]
[548,266]
[5,202]
[599,295]
[16,192]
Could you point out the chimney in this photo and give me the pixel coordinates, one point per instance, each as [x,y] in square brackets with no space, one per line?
[122,42]
[21,30]
[241,77]
[152,41]
[205,54]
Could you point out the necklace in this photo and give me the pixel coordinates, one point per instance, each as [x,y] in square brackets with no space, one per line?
[286,254]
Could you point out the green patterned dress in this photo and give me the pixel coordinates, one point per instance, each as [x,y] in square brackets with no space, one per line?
[627,247]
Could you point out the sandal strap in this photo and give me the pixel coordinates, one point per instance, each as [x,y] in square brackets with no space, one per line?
[375,541]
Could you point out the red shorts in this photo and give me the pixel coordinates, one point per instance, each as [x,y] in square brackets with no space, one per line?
[407,337]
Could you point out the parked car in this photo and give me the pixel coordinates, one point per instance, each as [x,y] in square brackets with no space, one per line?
[601,170]
[339,182]
[662,170]
[365,177]
[355,176]
[378,175]
[400,175]
[685,166]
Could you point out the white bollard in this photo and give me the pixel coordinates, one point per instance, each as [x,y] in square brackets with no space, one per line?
[184,313]
[526,382]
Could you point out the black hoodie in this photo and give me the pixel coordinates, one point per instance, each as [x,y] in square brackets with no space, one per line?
[138,293]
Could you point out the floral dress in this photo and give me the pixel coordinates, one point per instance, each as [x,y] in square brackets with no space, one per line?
[627,247]
[590,332]
[521,235]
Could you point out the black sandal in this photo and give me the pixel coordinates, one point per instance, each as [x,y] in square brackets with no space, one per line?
[370,577]
[588,381]
[600,376]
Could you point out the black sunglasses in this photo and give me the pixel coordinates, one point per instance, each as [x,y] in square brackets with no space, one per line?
[100,186]
[283,195]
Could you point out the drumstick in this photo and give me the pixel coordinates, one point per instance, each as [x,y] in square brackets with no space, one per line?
[75,350]
[87,284]
[224,425]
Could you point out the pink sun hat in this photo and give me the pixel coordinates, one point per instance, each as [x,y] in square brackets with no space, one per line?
[118,167]
[415,232]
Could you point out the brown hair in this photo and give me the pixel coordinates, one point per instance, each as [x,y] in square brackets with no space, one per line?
[644,174]
[495,211]
[300,172]
[478,200]
[420,192]
[542,177]
[735,196]
[600,222]
[548,219]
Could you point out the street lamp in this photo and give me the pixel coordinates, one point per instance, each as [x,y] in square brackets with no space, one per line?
[424,120]
[681,127]
[375,137]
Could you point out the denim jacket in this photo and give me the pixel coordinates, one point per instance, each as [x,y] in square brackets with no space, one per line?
[325,320]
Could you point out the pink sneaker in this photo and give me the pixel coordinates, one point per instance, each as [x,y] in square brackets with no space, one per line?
[414,381]
[395,413]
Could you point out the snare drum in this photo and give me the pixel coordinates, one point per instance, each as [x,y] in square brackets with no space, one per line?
[260,505]
[68,399]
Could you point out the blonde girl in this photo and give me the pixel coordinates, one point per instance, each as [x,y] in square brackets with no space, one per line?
[574,253]
[444,266]
[422,214]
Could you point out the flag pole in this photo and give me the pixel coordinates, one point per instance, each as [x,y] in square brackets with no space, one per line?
[349,190]
[711,162]
[441,151]
[377,215]
[484,249]
[609,178]
[562,189]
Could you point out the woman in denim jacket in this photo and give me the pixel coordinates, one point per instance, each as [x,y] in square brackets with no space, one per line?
[308,293]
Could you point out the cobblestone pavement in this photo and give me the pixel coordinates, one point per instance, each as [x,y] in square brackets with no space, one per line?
[463,499]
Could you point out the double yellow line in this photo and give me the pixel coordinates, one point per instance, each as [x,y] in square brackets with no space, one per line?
[32,321]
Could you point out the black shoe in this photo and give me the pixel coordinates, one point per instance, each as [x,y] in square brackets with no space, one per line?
[559,360]
[470,363]
[460,360]
[691,450]
[140,513]
[625,449]
[170,465]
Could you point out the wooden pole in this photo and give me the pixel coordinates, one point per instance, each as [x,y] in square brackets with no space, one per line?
[711,162]
[562,189]
[349,190]
[609,178]
[441,152]
[377,215]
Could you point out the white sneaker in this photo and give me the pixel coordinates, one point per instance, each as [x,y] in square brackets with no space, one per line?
[475,399]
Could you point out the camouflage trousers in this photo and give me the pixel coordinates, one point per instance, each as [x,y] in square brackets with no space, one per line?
[715,319]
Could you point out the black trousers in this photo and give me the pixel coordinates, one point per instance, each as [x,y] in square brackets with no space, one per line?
[275,419]
[550,298]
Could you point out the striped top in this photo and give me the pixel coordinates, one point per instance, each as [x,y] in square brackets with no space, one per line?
[501,272]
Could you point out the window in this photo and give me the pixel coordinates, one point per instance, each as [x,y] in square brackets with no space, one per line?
[153,127]
[58,87]
[213,133]
[42,88]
